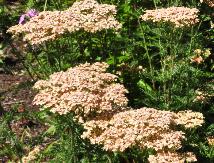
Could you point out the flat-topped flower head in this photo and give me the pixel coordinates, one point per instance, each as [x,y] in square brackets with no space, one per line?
[145,128]
[85,90]
[87,15]
[142,128]
[172,157]
[189,119]
[178,16]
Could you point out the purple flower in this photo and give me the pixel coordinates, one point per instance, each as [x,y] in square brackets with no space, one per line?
[32,12]
[22,19]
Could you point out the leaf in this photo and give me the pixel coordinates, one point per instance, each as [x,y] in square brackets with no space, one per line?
[98,58]
[111,60]
[143,85]
[1,61]
[51,130]
[124,57]
[50,146]
[147,89]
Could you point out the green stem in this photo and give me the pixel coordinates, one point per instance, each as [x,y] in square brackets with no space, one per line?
[172,54]
[191,41]
[40,65]
[163,67]
[193,36]
[147,54]
[45,6]
[59,54]
[73,135]
[109,158]
[154,1]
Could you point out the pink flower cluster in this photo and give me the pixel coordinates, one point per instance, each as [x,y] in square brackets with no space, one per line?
[173,157]
[144,128]
[101,106]
[179,16]
[85,89]
[189,119]
[87,15]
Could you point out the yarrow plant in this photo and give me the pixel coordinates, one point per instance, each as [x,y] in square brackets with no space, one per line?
[162,58]
[178,16]
[190,119]
[84,90]
[145,128]
[100,105]
[87,15]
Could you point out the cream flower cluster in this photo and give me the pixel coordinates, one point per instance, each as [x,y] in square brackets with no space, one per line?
[167,157]
[189,119]
[32,155]
[87,15]
[84,90]
[145,127]
[210,140]
[101,106]
[208,2]
[179,16]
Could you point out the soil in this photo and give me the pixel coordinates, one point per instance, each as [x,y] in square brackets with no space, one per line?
[13,89]
[16,95]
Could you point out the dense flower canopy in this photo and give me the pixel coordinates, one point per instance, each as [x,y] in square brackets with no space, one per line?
[173,157]
[101,106]
[179,16]
[84,89]
[145,127]
[87,15]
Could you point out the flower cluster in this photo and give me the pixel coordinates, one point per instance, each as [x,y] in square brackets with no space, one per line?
[101,106]
[87,15]
[32,155]
[208,2]
[210,140]
[200,96]
[164,157]
[84,90]
[179,16]
[200,55]
[145,127]
[189,119]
